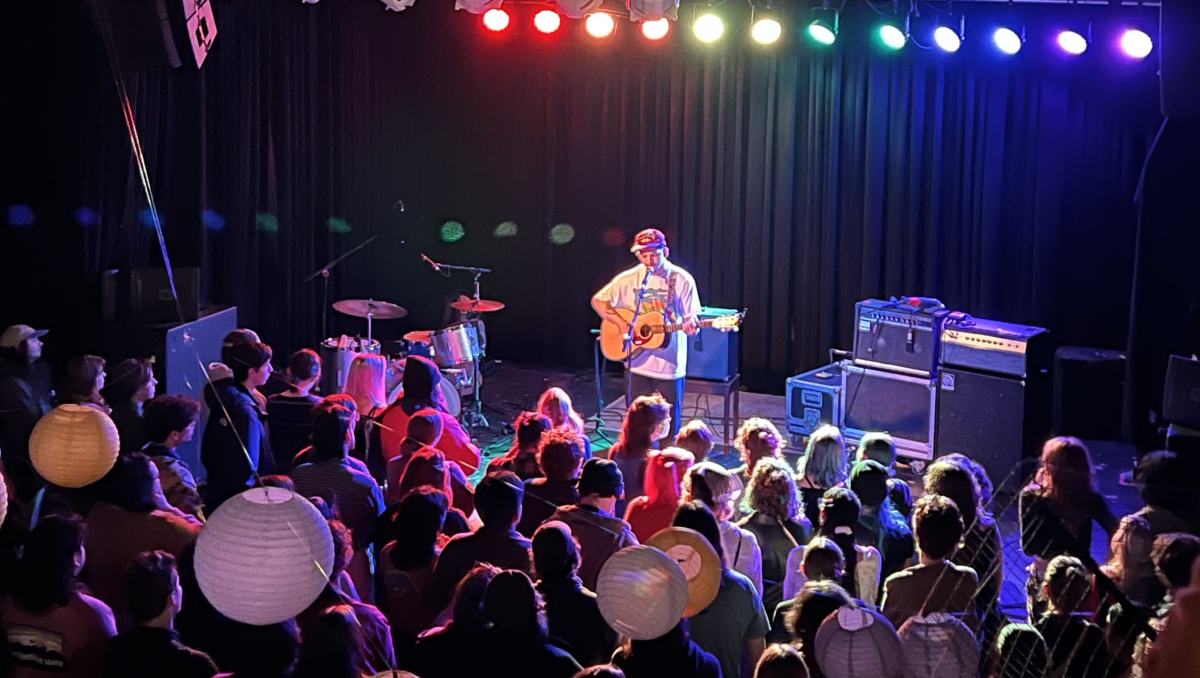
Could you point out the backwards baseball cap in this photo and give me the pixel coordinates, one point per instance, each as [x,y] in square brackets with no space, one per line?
[601,477]
[649,239]
[15,334]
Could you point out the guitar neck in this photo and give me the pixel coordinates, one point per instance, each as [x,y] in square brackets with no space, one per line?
[676,327]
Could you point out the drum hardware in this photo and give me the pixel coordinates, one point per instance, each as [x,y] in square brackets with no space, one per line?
[337,353]
[323,273]
[370,309]
[460,340]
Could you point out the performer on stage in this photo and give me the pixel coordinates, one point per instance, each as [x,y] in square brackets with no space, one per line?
[669,290]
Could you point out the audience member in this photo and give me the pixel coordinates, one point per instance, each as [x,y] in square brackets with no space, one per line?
[424,430]
[857,642]
[981,477]
[1174,557]
[734,626]
[235,447]
[152,647]
[572,613]
[823,466]
[26,393]
[601,671]
[53,628]
[124,522]
[881,448]
[821,561]
[84,382]
[776,522]
[429,467]
[291,412]
[879,523]
[264,651]
[421,391]
[498,501]
[934,584]
[448,651]
[408,563]
[674,654]
[695,437]
[126,391]
[170,422]
[515,645]
[1057,511]
[308,454]
[557,405]
[816,602]
[366,382]
[757,438]
[375,652]
[647,421]
[1162,481]
[937,644]
[1021,653]
[599,532]
[840,510]
[521,458]
[1076,645]
[718,489]
[331,647]
[781,661]
[654,510]
[560,458]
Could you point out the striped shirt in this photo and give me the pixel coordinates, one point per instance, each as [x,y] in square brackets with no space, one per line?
[356,495]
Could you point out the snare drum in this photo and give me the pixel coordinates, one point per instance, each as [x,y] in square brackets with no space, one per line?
[456,345]
[336,356]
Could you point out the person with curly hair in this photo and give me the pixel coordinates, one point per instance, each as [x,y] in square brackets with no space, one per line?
[522,457]
[646,422]
[560,457]
[823,466]
[757,438]
[775,521]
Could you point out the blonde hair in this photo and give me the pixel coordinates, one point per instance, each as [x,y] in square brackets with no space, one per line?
[824,463]
[365,382]
[758,439]
[556,404]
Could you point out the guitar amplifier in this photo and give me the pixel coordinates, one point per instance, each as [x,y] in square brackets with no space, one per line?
[992,346]
[900,335]
[712,354]
[815,399]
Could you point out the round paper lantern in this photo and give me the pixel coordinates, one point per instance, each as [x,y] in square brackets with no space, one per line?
[74,445]
[3,499]
[394,674]
[641,592]
[264,556]
[699,561]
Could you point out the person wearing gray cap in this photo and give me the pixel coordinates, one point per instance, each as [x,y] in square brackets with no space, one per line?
[25,396]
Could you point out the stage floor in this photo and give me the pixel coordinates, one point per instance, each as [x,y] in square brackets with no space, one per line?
[514,388]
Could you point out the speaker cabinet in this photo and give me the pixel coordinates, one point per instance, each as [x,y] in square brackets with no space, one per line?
[713,354]
[998,421]
[900,405]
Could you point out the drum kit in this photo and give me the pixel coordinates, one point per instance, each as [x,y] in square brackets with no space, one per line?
[456,350]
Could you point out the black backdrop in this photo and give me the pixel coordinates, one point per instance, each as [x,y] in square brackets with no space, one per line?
[792,182]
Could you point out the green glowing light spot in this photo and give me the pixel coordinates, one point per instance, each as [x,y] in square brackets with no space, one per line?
[562,234]
[337,225]
[451,231]
[267,223]
[507,229]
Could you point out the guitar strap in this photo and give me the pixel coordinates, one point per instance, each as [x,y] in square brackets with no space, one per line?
[671,277]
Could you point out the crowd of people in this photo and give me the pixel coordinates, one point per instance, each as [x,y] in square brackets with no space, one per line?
[829,567]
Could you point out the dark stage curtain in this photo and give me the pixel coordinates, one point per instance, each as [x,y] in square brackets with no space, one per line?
[792,182]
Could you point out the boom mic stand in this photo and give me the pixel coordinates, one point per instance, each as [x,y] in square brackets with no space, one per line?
[324,272]
[474,417]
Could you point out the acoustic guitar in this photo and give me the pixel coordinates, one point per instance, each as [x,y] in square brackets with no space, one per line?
[653,331]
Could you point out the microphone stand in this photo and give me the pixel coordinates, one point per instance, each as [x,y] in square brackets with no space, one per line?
[323,272]
[637,313]
[475,417]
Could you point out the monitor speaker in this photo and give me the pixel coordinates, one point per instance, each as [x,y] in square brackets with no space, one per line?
[712,353]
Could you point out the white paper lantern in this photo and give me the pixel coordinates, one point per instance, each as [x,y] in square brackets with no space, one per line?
[398,5]
[577,9]
[3,499]
[653,10]
[74,445]
[264,556]
[394,674]
[477,6]
[641,592]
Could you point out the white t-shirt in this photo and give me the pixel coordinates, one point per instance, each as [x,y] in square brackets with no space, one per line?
[669,362]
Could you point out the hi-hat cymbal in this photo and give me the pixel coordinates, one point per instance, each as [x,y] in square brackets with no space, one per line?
[481,306]
[362,308]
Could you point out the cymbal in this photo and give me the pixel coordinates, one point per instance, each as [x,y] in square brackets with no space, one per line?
[419,336]
[472,306]
[362,308]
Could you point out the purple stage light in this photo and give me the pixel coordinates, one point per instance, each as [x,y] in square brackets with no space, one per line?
[1072,42]
[1136,43]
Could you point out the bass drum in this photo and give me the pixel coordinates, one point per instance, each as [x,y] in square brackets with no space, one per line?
[448,386]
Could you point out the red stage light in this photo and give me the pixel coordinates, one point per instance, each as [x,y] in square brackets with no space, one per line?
[656,30]
[495,19]
[547,21]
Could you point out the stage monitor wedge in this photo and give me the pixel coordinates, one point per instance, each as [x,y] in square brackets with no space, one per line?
[151,34]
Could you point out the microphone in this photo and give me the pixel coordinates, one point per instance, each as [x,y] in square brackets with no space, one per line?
[431,262]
